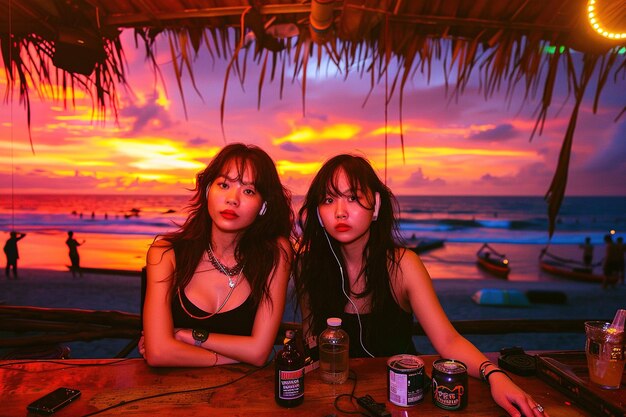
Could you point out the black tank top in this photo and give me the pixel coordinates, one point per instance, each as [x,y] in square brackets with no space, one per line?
[238,321]
[394,338]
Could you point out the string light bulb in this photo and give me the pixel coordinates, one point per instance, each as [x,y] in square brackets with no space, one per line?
[596,24]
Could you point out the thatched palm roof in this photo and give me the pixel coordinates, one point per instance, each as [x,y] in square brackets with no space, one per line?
[509,43]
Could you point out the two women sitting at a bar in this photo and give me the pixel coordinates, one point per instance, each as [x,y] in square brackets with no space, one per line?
[216,288]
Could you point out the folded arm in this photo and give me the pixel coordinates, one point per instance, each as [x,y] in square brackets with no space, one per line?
[165,347]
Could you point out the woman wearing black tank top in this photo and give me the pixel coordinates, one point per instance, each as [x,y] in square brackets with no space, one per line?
[349,265]
[216,287]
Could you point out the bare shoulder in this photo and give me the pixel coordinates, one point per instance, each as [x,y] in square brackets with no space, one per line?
[407,258]
[286,247]
[159,251]
[284,243]
[411,270]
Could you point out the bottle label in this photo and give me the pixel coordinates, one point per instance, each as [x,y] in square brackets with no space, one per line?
[291,384]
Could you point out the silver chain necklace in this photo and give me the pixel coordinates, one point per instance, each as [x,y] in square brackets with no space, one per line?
[229,272]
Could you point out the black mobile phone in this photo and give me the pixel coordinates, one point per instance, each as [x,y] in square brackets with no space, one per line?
[53,401]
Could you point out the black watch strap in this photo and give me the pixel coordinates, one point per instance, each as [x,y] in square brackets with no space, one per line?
[200,336]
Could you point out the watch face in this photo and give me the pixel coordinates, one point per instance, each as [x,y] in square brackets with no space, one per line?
[200,335]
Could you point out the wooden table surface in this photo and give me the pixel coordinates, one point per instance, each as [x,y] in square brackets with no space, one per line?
[230,390]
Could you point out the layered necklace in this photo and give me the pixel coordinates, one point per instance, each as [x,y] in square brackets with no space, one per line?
[230,272]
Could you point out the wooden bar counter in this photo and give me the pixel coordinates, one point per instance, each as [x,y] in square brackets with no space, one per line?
[112,387]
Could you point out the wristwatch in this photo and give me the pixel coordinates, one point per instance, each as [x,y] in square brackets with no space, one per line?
[200,336]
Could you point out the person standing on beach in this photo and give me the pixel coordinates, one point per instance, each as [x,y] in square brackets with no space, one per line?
[73,245]
[619,249]
[348,265]
[587,248]
[11,252]
[611,262]
[216,287]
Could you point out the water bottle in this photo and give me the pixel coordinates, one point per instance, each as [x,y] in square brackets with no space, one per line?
[334,346]
[289,375]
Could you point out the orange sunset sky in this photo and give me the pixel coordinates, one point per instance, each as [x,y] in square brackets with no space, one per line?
[469,146]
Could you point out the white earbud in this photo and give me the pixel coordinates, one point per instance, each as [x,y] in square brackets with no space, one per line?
[263,209]
[376,206]
[343,290]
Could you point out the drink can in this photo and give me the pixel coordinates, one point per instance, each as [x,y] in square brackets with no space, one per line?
[405,380]
[449,384]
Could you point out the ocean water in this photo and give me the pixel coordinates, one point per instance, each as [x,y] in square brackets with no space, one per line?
[119,228]
[518,220]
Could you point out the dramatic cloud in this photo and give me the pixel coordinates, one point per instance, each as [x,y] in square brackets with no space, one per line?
[611,158]
[462,144]
[497,134]
[418,179]
[147,115]
[291,147]
[526,181]
[198,141]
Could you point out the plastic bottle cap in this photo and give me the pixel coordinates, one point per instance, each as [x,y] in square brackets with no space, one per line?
[333,321]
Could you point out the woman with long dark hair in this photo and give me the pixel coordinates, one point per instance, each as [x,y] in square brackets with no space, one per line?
[216,287]
[349,265]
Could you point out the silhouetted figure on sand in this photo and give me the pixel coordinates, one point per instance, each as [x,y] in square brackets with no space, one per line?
[587,248]
[610,263]
[12,254]
[73,245]
[619,248]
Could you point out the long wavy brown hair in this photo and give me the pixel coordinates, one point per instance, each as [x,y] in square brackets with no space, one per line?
[258,246]
[317,275]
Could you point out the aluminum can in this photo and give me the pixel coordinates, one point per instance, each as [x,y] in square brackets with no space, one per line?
[449,384]
[405,380]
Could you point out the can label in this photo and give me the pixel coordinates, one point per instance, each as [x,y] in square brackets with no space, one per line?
[449,384]
[405,381]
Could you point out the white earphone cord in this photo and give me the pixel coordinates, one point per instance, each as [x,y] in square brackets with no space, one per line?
[356,310]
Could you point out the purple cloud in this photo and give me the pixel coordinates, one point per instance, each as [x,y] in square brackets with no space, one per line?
[418,179]
[499,133]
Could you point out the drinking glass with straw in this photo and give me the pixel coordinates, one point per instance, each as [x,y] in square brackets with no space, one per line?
[605,351]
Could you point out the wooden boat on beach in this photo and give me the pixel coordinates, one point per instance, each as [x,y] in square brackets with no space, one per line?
[426,244]
[567,268]
[490,260]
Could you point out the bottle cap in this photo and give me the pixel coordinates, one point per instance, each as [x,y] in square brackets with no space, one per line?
[333,321]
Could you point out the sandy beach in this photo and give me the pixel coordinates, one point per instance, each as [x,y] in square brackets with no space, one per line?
[48,288]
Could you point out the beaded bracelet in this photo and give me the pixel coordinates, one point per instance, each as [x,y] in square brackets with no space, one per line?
[493,372]
[483,367]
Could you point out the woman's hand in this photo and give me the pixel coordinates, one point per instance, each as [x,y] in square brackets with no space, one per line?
[513,399]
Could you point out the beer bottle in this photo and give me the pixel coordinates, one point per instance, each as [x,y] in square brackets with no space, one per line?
[289,374]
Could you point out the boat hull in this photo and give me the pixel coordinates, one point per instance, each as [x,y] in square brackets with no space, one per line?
[493,266]
[425,245]
[577,274]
